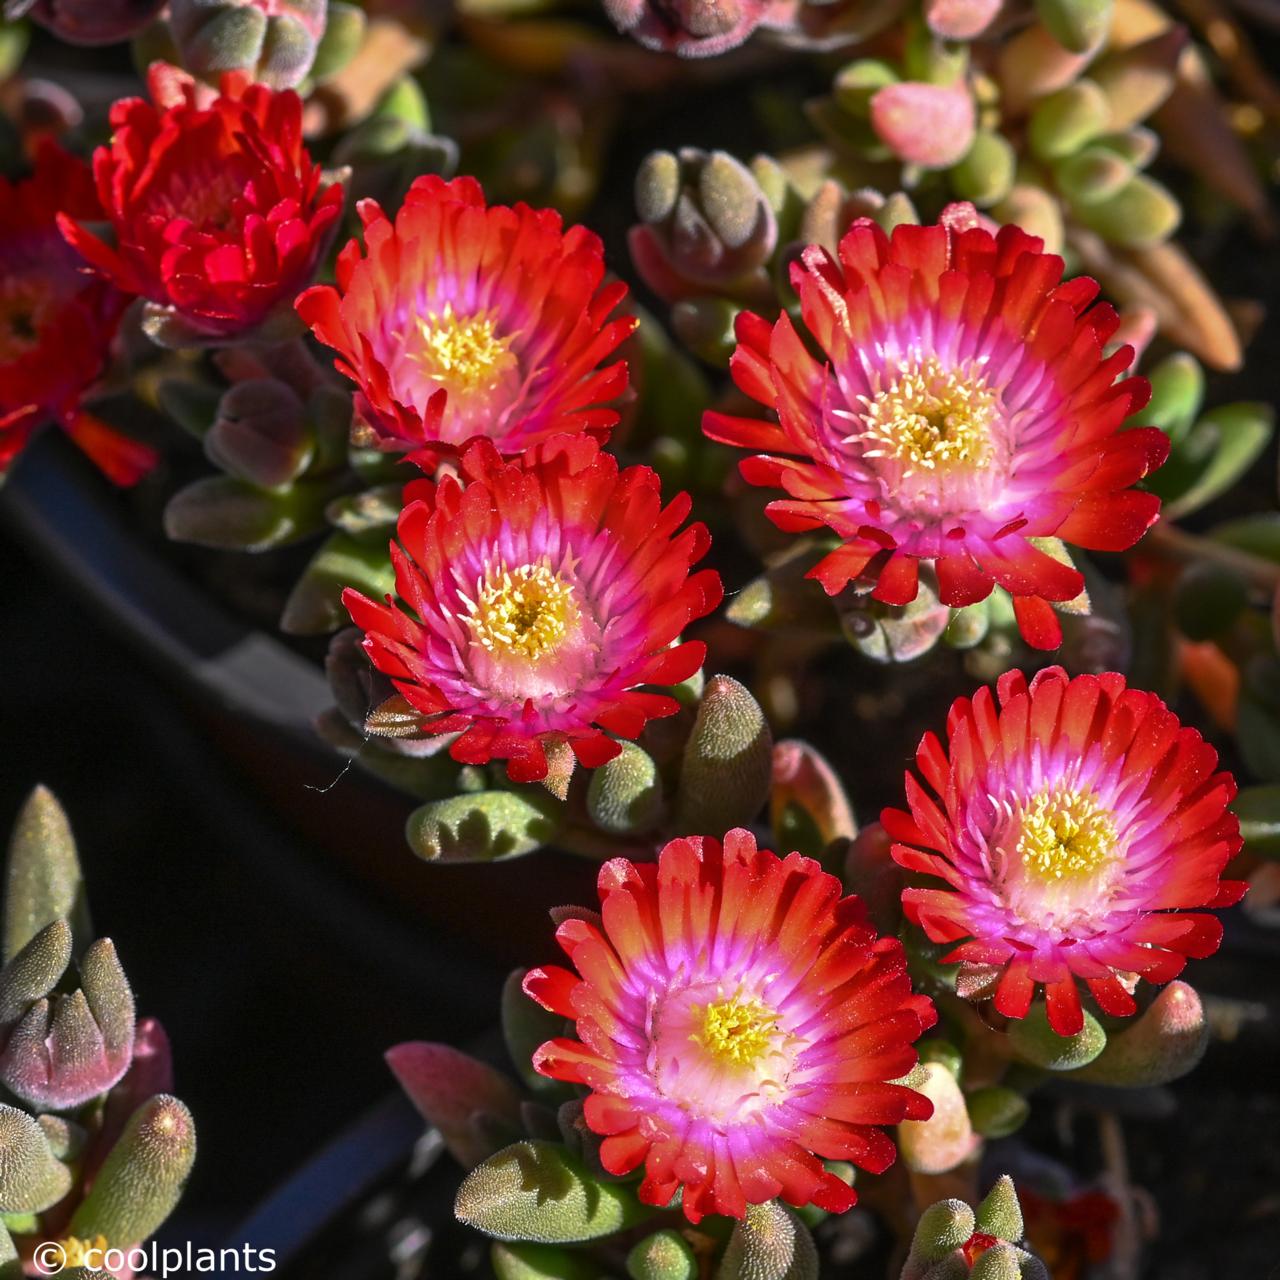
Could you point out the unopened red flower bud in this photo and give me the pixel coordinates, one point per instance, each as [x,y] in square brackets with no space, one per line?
[219,215]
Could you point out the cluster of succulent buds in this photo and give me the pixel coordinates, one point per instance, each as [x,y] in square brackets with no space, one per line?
[1051,128]
[703,28]
[706,226]
[953,1240]
[280,436]
[94,1148]
[715,235]
[1048,133]
[281,42]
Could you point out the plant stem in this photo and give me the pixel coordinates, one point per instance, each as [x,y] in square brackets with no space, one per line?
[1177,544]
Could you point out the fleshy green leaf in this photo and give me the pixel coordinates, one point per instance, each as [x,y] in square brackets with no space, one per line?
[314,606]
[537,1191]
[43,881]
[1236,434]
[483,827]
[1035,1041]
[728,762]
[143,1176]
[1258,809]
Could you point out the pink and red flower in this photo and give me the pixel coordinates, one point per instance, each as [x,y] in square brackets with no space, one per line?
[219,214]
[464,320]
[1076,825]
[544,593]
[738,1021]
[57,319]
[962,408]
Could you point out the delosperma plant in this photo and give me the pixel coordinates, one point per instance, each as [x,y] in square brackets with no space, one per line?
[94,1148]
[880,413]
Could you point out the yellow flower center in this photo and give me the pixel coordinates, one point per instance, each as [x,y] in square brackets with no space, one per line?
[525,611]
[83,1253]
[932,417]
[1065,833]
[736,1031]
[464,352]
[22,302]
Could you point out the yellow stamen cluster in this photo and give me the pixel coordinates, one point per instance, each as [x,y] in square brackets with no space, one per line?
[21,302]
[930,417]
[525,611]
[736,1031]
[83,1253]
[1065,833]
[464,352]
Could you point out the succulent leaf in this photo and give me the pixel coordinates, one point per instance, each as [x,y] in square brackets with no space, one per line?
[143,1177]
[665,1255]
[537,1191]
[43,879]
[483,826]
[728,761]
[453,1091]
[31,1176]
[625,796]
[1035,1041]
[769,1243]
[34,972]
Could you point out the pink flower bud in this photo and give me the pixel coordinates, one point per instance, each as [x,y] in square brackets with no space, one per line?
[452,1090]
[930,125]
[960,19]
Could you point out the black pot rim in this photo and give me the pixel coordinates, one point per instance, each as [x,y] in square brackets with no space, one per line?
[67,515]
[70,518]
[343,1171]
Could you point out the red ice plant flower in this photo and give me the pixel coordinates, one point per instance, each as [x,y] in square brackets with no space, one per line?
[738,1021]
[1076,823]
[463,319]
[535,598]
[57,319]
[219,213]
[962,408]
[1072,1235]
